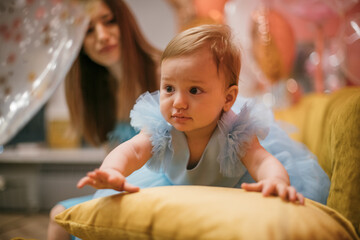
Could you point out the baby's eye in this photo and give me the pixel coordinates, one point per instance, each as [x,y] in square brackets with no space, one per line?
[195,90]
[169,89]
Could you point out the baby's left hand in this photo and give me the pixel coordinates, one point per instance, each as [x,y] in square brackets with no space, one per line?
[275,187]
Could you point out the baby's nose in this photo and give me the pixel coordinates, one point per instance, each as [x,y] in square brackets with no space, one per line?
[180,101]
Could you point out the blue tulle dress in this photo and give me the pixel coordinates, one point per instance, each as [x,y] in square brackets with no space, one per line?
[220,163]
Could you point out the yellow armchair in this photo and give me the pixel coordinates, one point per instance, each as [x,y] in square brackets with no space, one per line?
[329,124]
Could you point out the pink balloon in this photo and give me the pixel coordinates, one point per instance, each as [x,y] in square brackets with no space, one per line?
[305,15]
[39,41]
[317,11]
[312,10]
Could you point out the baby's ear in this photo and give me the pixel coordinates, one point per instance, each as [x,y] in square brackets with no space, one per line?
[230,97]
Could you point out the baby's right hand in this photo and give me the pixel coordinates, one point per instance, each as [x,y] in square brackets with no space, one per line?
[107,178]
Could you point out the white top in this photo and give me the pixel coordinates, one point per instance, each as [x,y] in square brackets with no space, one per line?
[35,154]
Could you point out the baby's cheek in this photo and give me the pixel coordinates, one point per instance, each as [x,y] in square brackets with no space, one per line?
[164,110]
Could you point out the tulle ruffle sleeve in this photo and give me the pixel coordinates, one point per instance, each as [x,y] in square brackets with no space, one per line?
[236,133]
[146,116]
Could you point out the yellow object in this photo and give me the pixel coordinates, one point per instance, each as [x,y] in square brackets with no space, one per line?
[202,212]
[60,135]
[330,127]
[20,238]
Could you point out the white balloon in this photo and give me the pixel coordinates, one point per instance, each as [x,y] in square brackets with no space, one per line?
[238,15]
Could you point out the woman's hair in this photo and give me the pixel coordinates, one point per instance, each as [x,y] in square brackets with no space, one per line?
[92,93]
[218,38]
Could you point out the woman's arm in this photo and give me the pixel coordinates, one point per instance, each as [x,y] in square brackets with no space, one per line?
[269,173]
[120,163]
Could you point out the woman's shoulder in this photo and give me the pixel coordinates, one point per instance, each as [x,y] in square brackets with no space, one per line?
[122,132]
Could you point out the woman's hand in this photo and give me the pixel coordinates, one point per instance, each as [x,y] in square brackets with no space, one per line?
[275,187]
[107,178]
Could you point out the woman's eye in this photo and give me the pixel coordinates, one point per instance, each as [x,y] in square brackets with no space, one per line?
[110,21]
[169,89]
[195,91]
[90,30]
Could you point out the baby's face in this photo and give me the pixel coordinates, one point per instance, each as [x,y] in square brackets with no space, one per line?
[192,92]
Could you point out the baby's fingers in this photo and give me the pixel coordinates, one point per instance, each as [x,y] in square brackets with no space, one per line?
[295,196]
[83,181]
[100,175]
[291,194]
[268,189]
[300,198]
[254,187]
[282,191]
[130,188]
[119,183]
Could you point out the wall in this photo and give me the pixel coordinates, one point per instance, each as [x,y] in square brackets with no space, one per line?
[156,18]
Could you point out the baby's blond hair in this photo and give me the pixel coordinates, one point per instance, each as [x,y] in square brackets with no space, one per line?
[218,38]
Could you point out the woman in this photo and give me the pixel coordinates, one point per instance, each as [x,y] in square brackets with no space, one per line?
[115,65]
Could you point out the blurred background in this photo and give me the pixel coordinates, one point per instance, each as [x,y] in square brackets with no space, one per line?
[290,48]
[41,164]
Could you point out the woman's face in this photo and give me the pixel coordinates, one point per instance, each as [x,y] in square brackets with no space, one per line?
[101,41]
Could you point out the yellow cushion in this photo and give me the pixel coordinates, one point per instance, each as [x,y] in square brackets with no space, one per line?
[200,212]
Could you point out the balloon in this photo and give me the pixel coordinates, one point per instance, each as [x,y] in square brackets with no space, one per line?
[39,41]
[324,18]
[316,11]
[273,44]
[305,15]
[210,8]
[238,15]
[351,49]
[193,13]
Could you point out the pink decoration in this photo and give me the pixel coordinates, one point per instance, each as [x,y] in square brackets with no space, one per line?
[40,13]
[312,10]
[315,20]
[351,49]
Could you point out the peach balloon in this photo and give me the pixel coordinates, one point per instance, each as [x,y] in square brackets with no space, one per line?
[210,8]
[273,44]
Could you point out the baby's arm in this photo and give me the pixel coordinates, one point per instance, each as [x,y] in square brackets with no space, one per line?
[269,173]
[120,163]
